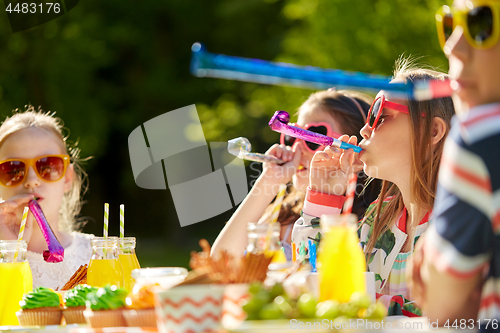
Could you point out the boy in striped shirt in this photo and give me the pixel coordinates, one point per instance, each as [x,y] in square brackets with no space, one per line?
[456,271]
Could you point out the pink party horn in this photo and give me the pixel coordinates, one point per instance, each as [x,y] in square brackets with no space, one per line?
[56,251]
[279,123]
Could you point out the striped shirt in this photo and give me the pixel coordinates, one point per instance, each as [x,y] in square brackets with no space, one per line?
[464,237]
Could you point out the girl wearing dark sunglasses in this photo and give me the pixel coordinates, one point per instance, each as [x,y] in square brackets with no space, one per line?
[456,271]
[35,162]
[328,112]
[402,145]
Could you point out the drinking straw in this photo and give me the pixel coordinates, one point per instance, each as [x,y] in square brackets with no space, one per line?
[106,216]
[23,223]
[351,189]
[302,251]
[21,229]
[276,212]
[312,255]
[277,203]
[122,221]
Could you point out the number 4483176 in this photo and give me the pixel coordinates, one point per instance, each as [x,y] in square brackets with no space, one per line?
[471,323]
[48,7]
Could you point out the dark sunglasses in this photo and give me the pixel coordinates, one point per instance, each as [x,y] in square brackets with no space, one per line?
[480,22]
[377,108]
[49,168]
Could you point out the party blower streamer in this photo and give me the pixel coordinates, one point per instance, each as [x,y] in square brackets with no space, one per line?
[206,64]
[56,251]
[241,147]
[279,123]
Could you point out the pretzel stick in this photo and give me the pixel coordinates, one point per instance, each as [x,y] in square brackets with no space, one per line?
[79,275]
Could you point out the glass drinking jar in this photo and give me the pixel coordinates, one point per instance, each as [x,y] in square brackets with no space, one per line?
[15,279]
[341,261]
[166,277]
[104,267]
[263,238]
[128,260]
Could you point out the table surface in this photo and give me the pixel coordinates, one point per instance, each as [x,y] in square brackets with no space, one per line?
[389,324]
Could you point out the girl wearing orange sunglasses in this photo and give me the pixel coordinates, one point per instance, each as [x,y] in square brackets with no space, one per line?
[461,250]
[327,112]
[35,162]
[402,145]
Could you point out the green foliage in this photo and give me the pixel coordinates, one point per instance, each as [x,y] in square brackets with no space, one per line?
[108,66]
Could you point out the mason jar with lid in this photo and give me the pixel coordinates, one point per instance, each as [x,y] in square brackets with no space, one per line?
[15,278]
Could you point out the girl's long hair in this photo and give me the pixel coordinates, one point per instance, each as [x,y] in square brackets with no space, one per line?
[349,109]
[425,160]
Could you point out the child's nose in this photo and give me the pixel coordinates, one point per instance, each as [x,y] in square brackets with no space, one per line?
[32,180]
[365,132]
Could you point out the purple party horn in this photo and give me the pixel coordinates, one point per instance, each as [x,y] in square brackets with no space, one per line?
[56,251]
[279,123]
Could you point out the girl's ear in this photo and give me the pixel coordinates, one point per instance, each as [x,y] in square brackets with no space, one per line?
[68,178]
[438,130]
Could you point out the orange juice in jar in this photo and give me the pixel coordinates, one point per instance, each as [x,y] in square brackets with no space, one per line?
[15,279]
[104,267]
[128,260]
[342,262]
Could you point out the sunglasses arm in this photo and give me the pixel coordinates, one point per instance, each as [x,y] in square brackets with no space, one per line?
[279,123]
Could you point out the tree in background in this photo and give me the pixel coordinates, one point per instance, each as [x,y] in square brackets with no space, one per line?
[107,67]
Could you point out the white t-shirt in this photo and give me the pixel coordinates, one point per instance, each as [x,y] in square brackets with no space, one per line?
[53,275]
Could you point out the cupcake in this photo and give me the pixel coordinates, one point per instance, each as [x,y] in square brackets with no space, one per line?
[41,307]
[140,307]
[74,300]
[104,307]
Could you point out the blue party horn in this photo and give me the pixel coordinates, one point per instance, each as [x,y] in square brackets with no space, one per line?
[206,64]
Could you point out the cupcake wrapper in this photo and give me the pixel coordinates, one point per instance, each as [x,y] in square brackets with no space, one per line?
[39,317]
[140,318]
[104,318]
[74,315]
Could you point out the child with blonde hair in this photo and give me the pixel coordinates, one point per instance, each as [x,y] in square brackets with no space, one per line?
[36,161]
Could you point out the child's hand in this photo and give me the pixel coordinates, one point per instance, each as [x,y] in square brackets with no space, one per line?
[330,169]
[282,174]
[11,212]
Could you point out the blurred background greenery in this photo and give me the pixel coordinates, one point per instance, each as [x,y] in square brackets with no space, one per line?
[106,67]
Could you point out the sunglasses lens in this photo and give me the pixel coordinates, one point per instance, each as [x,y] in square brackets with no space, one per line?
[50,168]
[12,172]
[374,112]
[289,140]
[316,129]
[447,25]
[480,24]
